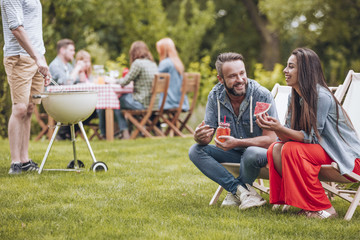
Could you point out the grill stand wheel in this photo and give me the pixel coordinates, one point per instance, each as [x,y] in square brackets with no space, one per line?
[99,166]
[96,166]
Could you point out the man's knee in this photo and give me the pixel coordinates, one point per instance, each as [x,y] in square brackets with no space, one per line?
[255,157]
[194,151]
[30,108]
[19,110]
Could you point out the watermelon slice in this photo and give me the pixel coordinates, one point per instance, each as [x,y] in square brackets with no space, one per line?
[261,108]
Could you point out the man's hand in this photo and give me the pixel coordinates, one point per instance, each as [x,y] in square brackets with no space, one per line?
[23,39]
[203,133]
[229,143]
[43,69]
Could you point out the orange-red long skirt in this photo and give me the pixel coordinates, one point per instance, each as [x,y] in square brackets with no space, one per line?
[299,185]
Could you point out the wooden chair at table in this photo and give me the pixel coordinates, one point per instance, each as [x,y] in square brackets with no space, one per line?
[145,120]
[94,126]
[190,84]
[46,123]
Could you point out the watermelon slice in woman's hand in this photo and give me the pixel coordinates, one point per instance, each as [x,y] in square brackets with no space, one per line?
[261,108]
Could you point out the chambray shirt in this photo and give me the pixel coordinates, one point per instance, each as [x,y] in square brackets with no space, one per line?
[343,150]
[174,91]
[239,125]
[60,72]
[142,72]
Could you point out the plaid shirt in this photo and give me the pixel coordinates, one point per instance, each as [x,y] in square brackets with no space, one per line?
[142,72]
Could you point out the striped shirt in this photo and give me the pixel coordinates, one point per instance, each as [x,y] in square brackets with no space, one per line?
[26,13]
[142,72]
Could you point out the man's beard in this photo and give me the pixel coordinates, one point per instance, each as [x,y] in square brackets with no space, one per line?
[232,90]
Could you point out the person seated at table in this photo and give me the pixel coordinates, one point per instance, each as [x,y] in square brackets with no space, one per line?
[142,72]
[85,71]
[85,77]
[61,68]
[171,63]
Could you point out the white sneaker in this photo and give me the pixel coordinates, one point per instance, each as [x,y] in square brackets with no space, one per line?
[249,198]
[230,201]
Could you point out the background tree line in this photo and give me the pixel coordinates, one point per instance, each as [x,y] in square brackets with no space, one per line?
[264,31]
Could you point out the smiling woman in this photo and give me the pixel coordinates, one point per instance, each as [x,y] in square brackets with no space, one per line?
[291,72]
[317,131]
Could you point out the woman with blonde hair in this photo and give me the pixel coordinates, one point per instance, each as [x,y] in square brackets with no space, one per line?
[172,64]
[142,72]
[85,72]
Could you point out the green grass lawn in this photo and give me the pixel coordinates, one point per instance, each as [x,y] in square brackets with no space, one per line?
[151,191]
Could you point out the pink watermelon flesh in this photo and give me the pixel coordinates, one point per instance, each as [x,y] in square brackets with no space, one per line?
[261,108]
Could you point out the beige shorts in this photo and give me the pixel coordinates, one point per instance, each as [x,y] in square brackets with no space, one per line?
[23,78]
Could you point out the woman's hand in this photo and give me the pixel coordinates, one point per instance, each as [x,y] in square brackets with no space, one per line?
[268,123]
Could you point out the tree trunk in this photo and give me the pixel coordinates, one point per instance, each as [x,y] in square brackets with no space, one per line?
[270,52]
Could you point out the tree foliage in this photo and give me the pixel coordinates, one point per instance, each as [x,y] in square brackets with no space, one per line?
[329,27]
[264,31]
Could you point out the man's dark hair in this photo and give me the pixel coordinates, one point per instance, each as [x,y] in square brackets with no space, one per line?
[64,43]
[226,57]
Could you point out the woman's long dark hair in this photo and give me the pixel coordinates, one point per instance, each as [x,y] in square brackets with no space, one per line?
[310,74]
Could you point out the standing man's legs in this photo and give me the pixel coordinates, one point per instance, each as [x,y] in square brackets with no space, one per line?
[19,131]
[24,81]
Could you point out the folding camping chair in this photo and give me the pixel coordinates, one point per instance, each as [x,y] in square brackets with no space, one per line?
[190,84]
[348,95]
[281,94]
[142,118]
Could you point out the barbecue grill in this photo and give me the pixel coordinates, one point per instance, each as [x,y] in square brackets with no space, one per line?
[70,108]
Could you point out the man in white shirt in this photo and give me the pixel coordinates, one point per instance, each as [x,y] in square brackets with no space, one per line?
[26,69]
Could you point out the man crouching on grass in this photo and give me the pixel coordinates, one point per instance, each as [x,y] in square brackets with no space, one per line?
[235,97]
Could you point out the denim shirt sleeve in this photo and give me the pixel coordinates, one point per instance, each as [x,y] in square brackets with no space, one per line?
[211,114]
[164,66]
[323,108]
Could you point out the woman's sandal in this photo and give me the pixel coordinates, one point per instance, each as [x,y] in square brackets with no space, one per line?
[317,214]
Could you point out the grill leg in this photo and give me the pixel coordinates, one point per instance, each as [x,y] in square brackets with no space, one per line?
[49,147]
[86,140]
[72,130]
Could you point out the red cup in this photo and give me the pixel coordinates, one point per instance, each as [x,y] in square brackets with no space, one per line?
[125,71]
[223,130]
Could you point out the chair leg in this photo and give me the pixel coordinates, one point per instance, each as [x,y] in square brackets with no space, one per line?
[354,204]
[261,187]
[216,196]
[139,126]
[173,127]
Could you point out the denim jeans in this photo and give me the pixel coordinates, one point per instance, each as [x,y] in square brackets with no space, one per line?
[127,102]
[101,115]
[207,159]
